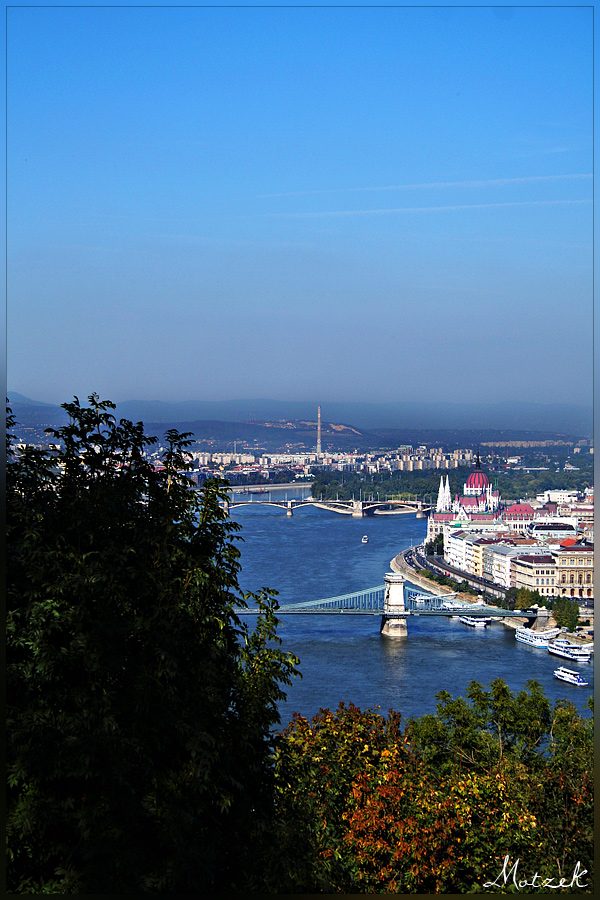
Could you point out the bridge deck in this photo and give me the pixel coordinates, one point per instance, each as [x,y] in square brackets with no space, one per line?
[371,602]
[488,612]
[346,507]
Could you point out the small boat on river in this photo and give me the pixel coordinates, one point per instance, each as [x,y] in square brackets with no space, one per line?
[569,676]
[365,539]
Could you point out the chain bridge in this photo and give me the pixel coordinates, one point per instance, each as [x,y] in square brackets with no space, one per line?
[394,601]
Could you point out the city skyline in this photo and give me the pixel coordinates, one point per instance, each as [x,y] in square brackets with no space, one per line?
[349,204]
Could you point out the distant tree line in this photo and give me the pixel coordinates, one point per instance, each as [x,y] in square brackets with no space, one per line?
[512,484]
[281,477]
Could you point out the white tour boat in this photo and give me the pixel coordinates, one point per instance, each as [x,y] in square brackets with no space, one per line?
[365,539]
[569,676]
[563,647]
[536,638]
[474,621]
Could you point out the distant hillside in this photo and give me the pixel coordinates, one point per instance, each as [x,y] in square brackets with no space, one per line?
[401,417]
[519,416]
[19,399]
[272,436]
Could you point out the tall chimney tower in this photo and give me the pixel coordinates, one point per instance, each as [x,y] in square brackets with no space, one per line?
[319,432]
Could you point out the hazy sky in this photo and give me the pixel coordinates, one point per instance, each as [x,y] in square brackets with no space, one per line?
[328,204]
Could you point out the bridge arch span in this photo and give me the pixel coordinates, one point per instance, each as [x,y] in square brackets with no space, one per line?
[261,503]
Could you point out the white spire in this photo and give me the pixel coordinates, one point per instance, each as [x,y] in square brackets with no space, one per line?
[448,494]
[441,500]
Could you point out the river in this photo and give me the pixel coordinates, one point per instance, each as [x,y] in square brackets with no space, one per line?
[315,554]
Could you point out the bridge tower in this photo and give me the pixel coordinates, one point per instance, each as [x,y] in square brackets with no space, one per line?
[289,510]
[357,509]
[393,620]
[541,620]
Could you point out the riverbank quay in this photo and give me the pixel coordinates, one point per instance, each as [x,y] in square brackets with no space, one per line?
[400,564]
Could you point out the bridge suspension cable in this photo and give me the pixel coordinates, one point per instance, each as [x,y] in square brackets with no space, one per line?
[371,601]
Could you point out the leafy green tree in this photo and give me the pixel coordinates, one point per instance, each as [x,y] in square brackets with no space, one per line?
[563,796]
[317,766]
[523,599]
[435,807]
[566,612]
[510,598]
[485,730]
[140,708]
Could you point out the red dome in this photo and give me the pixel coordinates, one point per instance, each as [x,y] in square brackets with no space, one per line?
[478,481]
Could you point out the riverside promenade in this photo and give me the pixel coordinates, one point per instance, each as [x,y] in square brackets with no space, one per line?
[400,564]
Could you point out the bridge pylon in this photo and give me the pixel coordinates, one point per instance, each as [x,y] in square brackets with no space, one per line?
[393,620]
[357,509]
[541,620]
[290,509]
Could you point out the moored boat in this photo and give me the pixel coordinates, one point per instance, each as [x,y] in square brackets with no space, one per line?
[570,676]
[563,647]
[536,638]
[474,621]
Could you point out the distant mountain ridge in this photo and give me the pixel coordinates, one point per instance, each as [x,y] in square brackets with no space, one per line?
[14,397]
[514,415]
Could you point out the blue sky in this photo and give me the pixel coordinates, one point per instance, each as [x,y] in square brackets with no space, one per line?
[326,204]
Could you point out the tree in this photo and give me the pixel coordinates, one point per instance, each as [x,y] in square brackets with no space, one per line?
[317,765]
[140,708]
[437,806]
[566,612]
[523,599]
[435,546]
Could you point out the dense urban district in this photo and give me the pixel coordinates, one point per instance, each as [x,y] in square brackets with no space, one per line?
[144,745]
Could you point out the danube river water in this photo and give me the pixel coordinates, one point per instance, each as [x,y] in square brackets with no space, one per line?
[316,554]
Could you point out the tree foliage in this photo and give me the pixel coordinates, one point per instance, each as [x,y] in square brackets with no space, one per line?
[512,484]
[566,612]
[140,708]
[437,806]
